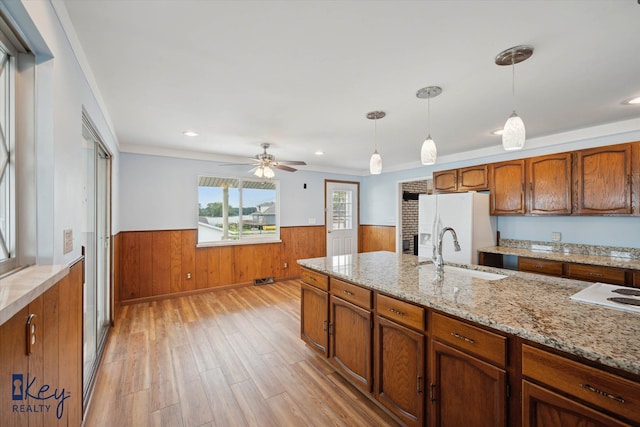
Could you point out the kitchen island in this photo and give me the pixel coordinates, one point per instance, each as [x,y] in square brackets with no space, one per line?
[529,318]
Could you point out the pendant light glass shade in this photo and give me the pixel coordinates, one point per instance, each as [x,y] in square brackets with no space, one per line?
[429,152]
[375,163]
[514,133]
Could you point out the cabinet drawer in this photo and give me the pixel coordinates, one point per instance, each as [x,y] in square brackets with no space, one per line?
[595,273]
[540,266]
[485,344]
[400,311]
[603,389]
[312,278]
[636,279]
[352,293]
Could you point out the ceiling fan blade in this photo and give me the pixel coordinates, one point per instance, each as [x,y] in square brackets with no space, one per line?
[284,168]
[291,162]
[240,164]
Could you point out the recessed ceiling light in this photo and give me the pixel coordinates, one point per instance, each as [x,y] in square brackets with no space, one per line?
[632,101]
[319,153]
[497,132]
[190,133]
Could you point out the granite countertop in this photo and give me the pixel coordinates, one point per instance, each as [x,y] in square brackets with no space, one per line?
[530,306]
[19,289]
[615,258]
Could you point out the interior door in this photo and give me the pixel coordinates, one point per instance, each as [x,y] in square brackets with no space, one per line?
[341,202]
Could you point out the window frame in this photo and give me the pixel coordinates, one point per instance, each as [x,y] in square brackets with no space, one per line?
[253,240]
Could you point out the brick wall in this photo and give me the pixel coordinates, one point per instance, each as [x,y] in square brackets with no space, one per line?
[410,210]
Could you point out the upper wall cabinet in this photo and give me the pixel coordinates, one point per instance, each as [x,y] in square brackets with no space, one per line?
[507,187]
[473,178]
[548,189]
[602,181]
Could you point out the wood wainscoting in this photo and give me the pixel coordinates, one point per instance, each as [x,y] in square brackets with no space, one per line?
[377,238]
[157,263]
[151,264]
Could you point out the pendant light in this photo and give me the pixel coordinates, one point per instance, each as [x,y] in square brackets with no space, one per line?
[514,133]
[375,163]
[429,152]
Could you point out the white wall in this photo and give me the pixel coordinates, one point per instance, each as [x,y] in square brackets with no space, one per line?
[160,193]
[62,91]
[380,198]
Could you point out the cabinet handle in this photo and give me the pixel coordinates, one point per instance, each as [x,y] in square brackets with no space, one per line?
[325,326]
[330,328]
[397,312]
[595,274]
[347,293]
[311,278]
[419,384]
[602,393]
[432,395]
[463,338]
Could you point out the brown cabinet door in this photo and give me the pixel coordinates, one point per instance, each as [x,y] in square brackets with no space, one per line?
[464,390]
[596,273]
[542,408]
[350,342]
[314,318]
[507,187]
[549,189]
[474,178]
[400,371]
[540,266]
[445,181]
[603,180]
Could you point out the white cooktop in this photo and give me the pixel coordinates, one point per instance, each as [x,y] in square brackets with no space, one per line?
[600,293]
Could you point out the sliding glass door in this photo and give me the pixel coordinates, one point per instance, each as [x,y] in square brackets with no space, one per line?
[97,233]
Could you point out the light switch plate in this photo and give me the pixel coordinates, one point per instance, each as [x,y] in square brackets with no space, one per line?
[68,241]
[556,236]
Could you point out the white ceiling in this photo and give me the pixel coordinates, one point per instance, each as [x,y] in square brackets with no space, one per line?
[303,74]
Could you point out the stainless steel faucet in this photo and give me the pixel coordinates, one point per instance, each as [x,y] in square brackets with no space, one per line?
[439,262]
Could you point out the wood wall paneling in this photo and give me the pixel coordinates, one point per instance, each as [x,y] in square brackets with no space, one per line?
[377,238]
[161,251]
[130,266]
[145,261]
[175,256]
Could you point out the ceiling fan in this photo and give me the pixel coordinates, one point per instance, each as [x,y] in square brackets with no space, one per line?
[264,163]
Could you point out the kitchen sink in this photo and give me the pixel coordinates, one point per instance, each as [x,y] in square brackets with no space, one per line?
[459,271]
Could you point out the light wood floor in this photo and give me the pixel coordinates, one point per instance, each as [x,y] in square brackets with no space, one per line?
[223,358]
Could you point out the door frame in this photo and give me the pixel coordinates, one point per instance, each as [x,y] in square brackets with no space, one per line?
[357,225]
[399,207]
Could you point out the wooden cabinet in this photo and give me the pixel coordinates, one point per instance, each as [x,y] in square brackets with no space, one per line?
[473,178]
[542,407]
[595,273]
[55,361]
[608,394]
[351,345]
[636,279]
[549,181]
[540,266]
[400,359]
[506,180]
[468,383]
[314,311]
[602,181]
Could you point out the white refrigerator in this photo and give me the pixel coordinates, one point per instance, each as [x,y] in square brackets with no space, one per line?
[467,214]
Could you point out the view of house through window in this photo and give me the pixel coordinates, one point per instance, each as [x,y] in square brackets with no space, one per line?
[342,208]
[236,209]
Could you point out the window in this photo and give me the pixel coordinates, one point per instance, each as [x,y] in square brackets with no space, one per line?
[237,210]
[7,158]
[342,210]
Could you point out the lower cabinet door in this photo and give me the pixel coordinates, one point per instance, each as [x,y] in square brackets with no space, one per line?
[542,408]
[464,390]
[350,342]
[314,318]
[400,371]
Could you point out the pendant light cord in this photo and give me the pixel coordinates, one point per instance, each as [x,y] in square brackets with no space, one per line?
[429,115]
[513,82]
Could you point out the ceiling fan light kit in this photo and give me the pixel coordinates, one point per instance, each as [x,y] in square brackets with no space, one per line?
[265,163]
[514,133]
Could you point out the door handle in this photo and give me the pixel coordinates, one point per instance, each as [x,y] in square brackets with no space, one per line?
[328,231]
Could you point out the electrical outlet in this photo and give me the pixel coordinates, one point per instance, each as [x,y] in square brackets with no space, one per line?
[556,236]
[286,265]
[188,275]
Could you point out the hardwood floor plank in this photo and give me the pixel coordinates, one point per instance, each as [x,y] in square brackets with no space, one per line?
[230,357]
[224,406]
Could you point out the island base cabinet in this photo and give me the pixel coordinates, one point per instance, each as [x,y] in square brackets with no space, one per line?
[542,408]
[464,390]
[350,342]
[314,318]
[400,371]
